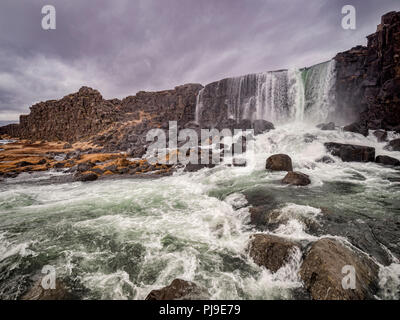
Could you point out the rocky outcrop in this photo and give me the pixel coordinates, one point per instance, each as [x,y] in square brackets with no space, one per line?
[296,179]
[322,272]
[386,160]
[114,125]
[270,251]
[179,290]
[368,78]
[349,152]
[279,162]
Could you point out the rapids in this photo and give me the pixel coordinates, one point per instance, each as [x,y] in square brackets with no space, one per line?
[119,239]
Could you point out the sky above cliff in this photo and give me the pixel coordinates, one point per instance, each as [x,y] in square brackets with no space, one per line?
[123,46]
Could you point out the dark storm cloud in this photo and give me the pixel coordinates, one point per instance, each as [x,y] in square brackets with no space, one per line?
[123,46]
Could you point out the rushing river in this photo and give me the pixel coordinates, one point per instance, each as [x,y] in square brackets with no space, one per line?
[119,239]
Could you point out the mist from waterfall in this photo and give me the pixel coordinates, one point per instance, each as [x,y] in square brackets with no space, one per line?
[279,96]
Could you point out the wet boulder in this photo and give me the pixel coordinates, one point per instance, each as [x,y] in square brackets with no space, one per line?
[393,145]
[37,292]
[349,152]
[296,179]
[381,135]
[357,128]
[179,290]
[270,251]
[82,167]
[260,126]
[326,264]
[86,177]
[386,160]
[326,126]
[279,162]
[264,218]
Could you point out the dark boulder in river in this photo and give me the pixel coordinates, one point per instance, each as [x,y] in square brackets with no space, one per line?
[350,152]
[279,162]
[326,126]
[325,159]
[296,179]
[179,290]
[325,267]
[84,177]
[37,292]
[260,126]
[393,145]
[381,135]
[386,160]
[356,128]
[271,251]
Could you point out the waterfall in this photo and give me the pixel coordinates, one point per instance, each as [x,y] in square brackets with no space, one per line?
[319,81]
[276,96]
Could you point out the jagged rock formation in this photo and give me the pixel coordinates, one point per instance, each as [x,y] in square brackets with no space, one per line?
[368,78]
[115,125]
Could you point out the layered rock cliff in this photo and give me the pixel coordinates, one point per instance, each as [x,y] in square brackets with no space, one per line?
[368,78]
[115,125]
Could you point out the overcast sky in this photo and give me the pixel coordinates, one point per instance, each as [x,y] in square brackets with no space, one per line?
[122,46]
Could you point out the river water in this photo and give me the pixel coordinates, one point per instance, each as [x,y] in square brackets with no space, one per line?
[119,239]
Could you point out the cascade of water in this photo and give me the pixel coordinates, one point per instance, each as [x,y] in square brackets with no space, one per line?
[279,96]
[319,81]
[199,106]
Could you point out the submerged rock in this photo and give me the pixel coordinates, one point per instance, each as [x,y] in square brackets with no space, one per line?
[381,135]
[260,126]
[279,162]
[386,160]
[179,290]
[263,217]
[322,275]
[393,145]
[296,179]
[325,159]
[349,152]
[309,138]
[239,162]
[357,128]
[271,251]
[37,292]
[326,126]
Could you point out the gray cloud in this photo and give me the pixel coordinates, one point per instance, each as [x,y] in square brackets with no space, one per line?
[123,46]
